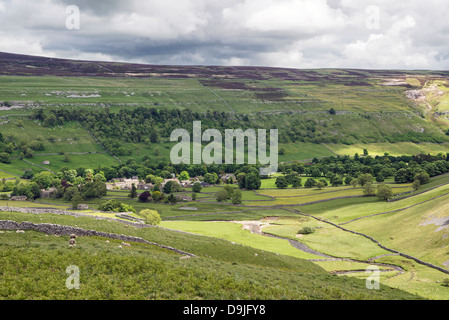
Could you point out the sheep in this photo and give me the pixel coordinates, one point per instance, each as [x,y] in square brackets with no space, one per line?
[72,241]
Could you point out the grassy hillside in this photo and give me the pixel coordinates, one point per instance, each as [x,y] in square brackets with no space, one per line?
[147,272]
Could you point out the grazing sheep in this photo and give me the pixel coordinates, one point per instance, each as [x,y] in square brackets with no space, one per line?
[20,231]
[72,241]
[126,244]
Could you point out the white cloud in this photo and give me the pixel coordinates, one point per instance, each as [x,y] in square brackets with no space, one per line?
[287,16]
[392,49]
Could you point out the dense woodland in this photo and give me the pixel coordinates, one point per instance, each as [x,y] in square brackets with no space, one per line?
[143,124]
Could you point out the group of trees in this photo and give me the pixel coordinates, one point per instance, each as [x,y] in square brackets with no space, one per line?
[156,195]
[152,124]
[65,184]
[25,149]
[342,170]
[229,192]
[364,180]
[116,206]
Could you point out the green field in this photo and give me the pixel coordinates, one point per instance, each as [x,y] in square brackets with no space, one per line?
[233,272]
[394,149]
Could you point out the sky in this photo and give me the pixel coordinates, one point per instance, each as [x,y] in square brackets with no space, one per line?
[378,34]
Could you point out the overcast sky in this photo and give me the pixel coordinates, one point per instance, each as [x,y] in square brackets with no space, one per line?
[378,34]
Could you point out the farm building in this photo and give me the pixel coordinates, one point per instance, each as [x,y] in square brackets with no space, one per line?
[48,193]
[19,198]
[122,184]
[144,186]
[183,198]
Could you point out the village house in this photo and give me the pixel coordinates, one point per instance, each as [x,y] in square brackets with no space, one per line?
[186,183]
[82,206]
[19,198]
[122,184]
[167,180]
[144,186]
[48,193]
[226,177]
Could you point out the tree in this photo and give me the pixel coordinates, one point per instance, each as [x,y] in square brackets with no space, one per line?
[241,180]
[211,178]
[380,177]
[384,192]
[133,192]
[116,206]
[315,172]
[336,181]
[401,176]
[69,175]
[144,196]
[221,195]
[168,187]
[416,184]
[151,216]
[281,182]
[99,177]
[348,180]
[423,177]
[252,181]
[172,198]
[44,179]
[184,175]
[296,182]
[154,136]
[230,190]
[196,187]
[76,200]
[310,183]
[319,185]
[236,197]
[332,111]
[93,190]
[368,189]
[156,195]
[365,178]
[70,192]
[5,157]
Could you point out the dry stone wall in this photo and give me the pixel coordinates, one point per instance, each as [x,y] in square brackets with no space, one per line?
[61,230]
